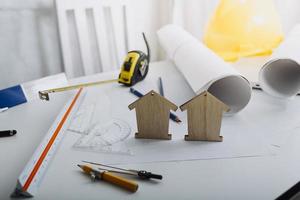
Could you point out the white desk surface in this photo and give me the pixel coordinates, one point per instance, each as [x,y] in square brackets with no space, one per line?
[239,178]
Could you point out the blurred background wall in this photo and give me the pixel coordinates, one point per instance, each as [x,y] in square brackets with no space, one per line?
[29,40]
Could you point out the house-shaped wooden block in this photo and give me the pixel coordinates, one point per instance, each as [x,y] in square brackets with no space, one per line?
[152,115]
[204,114]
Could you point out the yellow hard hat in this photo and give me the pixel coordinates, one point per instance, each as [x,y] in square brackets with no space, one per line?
[242,28]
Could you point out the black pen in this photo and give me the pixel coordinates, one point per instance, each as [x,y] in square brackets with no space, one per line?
[7,133]
[138,94]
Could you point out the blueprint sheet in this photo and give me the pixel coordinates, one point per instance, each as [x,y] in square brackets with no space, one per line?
[113,141]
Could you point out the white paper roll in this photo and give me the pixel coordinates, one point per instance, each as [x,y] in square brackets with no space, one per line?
[280,76]
[203,69]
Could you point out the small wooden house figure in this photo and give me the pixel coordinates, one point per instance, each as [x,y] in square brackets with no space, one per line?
[204,114]
[152,115]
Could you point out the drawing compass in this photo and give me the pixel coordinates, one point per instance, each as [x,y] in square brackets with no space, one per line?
[142,174]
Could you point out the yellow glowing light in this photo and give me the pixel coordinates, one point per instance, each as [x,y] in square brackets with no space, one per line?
[242,28]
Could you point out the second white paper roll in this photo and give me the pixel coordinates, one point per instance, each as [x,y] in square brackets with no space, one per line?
[203,69]
[280,76]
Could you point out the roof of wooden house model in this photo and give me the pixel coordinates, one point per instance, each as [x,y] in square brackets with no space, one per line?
[205,93]
[151,93]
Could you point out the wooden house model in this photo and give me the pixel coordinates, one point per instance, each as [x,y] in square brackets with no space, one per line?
[152,115]
[204,114]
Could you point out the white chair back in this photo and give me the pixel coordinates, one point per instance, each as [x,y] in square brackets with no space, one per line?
[94,35]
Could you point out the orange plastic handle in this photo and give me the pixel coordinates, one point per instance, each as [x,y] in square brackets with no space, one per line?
[122,182]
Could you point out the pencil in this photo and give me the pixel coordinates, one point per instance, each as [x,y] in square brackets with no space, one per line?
[162,93]
[138,94]
[110,177]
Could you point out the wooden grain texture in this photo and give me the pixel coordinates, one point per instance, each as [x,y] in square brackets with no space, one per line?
[204,113]
[152,115]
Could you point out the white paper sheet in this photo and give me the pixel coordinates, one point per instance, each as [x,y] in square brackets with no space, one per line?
[280,76]
[204,70]
[276,119]
[240,138]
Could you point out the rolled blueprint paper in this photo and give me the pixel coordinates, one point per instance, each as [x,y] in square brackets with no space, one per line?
[203,69]
[280,76]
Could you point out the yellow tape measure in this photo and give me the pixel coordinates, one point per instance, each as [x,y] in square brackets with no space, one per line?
[44,95]
[134,69]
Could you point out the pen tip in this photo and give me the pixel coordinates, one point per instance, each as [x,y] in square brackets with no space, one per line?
[79,166]
[178,120]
